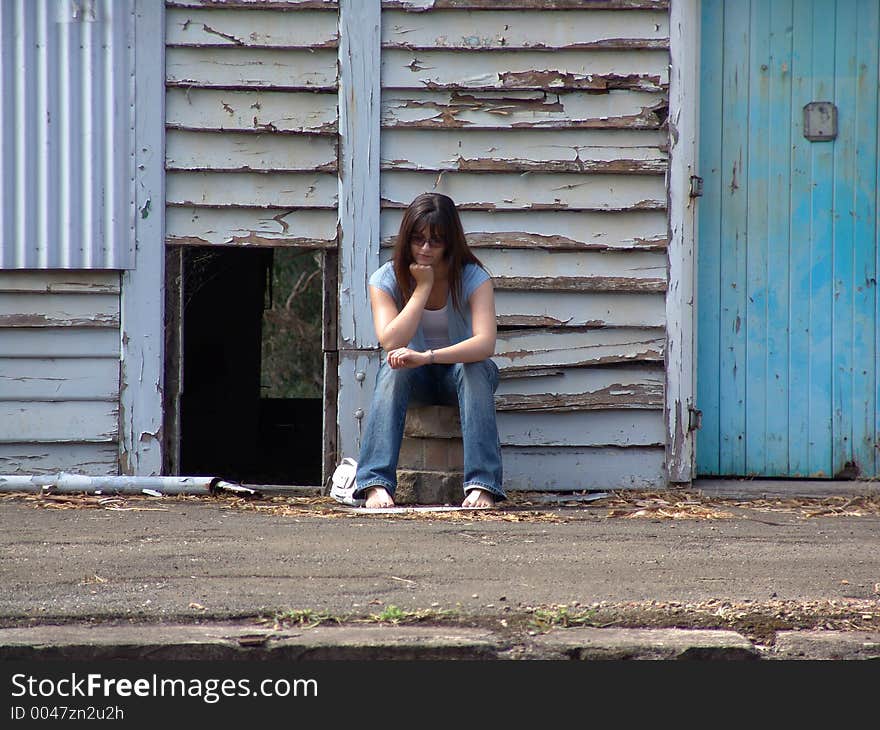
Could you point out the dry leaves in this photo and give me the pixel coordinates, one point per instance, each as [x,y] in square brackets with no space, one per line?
[694,505]
[662,506]
[326,507]
[659,505]
[842,506]
[84,501]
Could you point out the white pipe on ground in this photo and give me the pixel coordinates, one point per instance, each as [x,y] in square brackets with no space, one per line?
[76,483]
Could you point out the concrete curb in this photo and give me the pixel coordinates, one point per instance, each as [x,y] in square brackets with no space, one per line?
[246,642]
[601,644]
[827,645]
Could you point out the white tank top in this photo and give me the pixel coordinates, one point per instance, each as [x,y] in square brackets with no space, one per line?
[435,326]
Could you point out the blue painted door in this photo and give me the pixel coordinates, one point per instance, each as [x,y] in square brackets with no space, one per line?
[787,333]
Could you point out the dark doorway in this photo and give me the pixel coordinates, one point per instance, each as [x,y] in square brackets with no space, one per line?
[239,418]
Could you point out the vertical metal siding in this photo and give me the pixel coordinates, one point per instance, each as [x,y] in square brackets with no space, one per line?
[67,83]
[546,126]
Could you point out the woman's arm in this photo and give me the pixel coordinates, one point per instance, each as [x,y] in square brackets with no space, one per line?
[396,328]
[478,347]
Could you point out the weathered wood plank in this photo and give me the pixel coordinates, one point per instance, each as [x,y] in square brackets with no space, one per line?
[51,379]
[236,68]
[67,281]
[527,308]
[584,151]
[251,111]
[526,29]
[357,381]
[59,342]
[552,230]
[684,86]
[588,388]
[93,459]
[251,227]
[539,284]
[172,384]
[186,150]
[528,191]
[582,428]
[563,270]
[289,189]
[594,70]
[251,28]
[143,326]
[89,421]
[292,5]
[647,267]
[521,350]
[418,6]
[330,425]
[616,109]
[574,468]
[359,178]
[26,309]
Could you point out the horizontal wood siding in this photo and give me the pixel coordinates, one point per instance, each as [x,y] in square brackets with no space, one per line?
[251,123]
[59,372]
[545,122]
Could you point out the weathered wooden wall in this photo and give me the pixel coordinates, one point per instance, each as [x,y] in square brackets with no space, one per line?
[59,372]
[251,123]
[545,122]
[252,129]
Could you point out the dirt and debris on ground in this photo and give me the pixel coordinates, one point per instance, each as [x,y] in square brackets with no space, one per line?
[521,507]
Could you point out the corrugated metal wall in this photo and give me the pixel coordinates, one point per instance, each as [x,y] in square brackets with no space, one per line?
[251,123]
[59,372]
[546,126]
[67,148]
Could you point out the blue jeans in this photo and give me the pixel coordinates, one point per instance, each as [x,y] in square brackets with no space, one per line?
[472,385]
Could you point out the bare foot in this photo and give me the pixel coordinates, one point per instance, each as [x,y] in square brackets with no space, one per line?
[477,497]
[378,498]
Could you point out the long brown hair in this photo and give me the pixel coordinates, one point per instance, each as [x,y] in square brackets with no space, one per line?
[438,214]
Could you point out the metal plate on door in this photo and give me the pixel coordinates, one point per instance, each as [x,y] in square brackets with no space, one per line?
[820,121]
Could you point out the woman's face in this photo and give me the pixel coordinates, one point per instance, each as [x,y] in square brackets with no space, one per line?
[427,249]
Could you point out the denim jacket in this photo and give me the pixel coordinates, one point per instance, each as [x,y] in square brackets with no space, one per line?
[460,326]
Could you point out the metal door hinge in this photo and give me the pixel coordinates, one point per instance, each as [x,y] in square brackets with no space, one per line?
[695,418]
[696,186]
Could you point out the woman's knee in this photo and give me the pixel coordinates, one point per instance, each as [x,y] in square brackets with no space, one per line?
[477,373]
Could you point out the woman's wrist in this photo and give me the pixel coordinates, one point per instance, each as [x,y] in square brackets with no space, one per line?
[430,354]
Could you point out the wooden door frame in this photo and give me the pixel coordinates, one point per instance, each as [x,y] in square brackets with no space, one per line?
[683,129]
[143,287]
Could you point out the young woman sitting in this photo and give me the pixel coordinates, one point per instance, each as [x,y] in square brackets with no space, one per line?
[434,314]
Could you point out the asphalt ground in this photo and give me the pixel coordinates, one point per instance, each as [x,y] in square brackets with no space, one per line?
[367,610]
[759,567]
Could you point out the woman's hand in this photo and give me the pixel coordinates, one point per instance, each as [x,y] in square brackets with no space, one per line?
[403,357]
[423,275]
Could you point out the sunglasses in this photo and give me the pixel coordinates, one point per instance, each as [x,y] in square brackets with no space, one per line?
[418,242]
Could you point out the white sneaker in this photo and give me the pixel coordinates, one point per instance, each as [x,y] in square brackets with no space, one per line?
[343,484]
